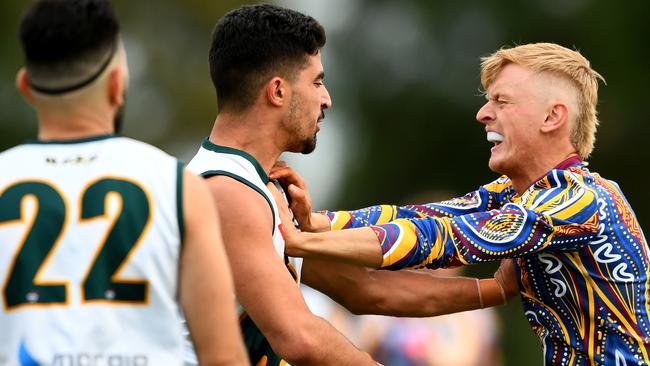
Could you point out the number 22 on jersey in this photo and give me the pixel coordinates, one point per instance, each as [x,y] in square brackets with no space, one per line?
[46,226]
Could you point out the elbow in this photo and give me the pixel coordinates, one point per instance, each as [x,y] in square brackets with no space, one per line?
[298,347]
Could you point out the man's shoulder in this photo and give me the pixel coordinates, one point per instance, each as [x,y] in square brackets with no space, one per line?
[210,164]
[127,144]
[17,155]
[10,152]
[238,191]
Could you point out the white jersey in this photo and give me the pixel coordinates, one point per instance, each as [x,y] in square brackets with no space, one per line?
[211,160]
[90,234]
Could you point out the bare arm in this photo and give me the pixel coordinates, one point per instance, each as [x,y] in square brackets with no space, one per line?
[358,246]
[265,288]
[206,288]
[407,293]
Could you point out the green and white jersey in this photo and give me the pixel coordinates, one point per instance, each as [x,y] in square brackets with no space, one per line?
[211,160]
[90,238]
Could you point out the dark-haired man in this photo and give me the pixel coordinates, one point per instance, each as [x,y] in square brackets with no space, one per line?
[102,236]
[265,62]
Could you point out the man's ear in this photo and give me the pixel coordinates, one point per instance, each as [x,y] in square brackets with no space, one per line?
[276,91]
[22,85]
[557,117]
[116,85]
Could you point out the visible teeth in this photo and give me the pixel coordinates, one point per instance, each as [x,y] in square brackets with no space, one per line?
[494,137]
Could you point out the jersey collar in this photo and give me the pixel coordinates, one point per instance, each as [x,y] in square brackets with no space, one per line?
[209,145]
[72,141]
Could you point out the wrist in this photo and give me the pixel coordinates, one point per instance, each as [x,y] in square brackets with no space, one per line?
[491,293]
[319,222]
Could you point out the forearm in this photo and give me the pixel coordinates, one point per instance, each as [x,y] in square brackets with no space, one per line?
[413,293]
[424,294]
[449,295]
[356,246]
[330,347]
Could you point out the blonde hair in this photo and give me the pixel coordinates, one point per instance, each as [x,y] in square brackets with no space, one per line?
[565,63]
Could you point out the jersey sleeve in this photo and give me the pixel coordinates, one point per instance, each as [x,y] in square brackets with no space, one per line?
[487,197]
[561,217]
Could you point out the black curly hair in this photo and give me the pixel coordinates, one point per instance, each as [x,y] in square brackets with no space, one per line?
[253,43]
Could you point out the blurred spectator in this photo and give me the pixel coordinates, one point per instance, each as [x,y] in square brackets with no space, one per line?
[469,338]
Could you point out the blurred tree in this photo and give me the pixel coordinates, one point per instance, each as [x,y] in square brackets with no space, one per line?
[17,122]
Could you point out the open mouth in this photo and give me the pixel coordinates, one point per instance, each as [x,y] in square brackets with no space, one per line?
[495,138]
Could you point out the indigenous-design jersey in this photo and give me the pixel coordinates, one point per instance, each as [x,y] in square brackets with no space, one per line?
[582,257]
[211,160]
[90,236]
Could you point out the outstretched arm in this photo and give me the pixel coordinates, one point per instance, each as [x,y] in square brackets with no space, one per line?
[409,293]
[205,283]
[563,218]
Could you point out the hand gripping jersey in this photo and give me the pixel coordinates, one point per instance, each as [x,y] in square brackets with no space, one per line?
[582,257]
[90,234]
[213,160]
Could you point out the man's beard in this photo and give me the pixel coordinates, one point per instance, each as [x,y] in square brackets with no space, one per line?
[309,145]
[118,120]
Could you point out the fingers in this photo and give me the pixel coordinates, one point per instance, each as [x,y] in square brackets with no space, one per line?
[279,164]
[298,194]
[506,276]
[286,175]
[280,169]
[300,205]
[296,189]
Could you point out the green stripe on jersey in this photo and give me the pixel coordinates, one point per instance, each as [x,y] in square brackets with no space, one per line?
[72,141]
[209,145]
[179,200]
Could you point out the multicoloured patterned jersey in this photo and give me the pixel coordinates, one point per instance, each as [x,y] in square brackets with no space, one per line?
[582,257]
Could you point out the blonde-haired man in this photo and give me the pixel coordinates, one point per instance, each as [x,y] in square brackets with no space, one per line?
[582,259]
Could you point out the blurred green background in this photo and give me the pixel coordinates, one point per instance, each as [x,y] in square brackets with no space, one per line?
[403,76]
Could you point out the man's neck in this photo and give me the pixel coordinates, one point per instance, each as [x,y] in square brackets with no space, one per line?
[71,127]
[249,135]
